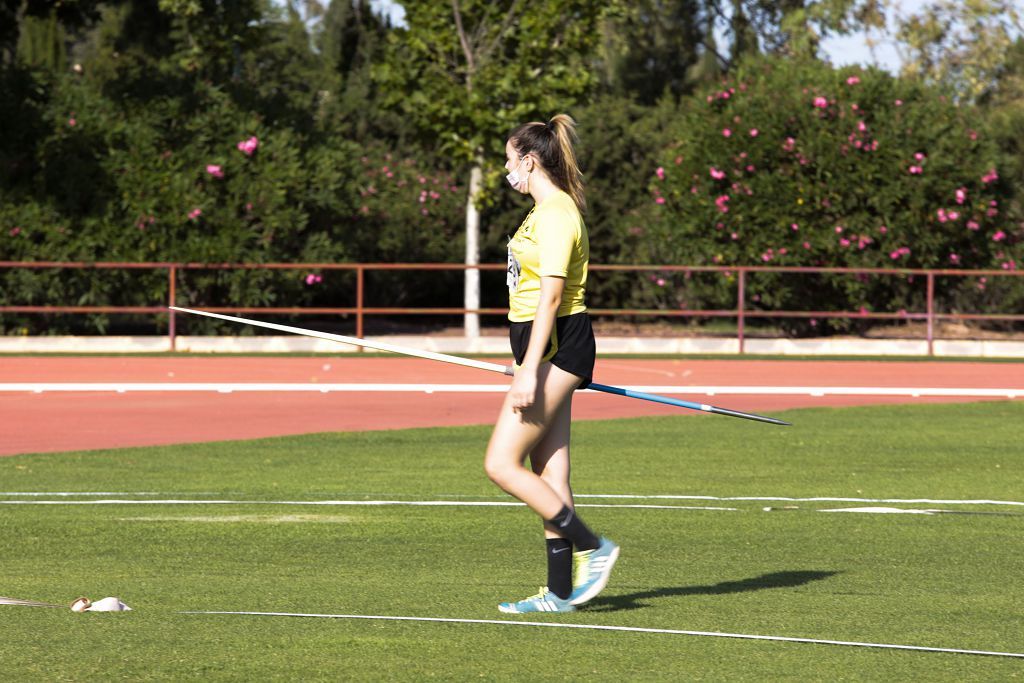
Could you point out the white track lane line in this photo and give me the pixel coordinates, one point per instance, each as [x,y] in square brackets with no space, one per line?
[628,629]
[231,387]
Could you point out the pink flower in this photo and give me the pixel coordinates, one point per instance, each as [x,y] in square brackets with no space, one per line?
[716,174]
[990,177]
[313,279]
[195,213]
[660,282]
[807,245]
[972,225]
[215,170]
[794,227]
[659,200]
[844,242]
[726,133]
[820,102]
[941,213]
[1009,265]
[751,168]
[898,103]
[722,202]
[863,310]
[919,156]
[839,229]
[789,145]
[734,236]
[882,229]
[961,195]
[72,122]
[861,126]
[992,213]
[249,146]
[953,215]
[15,231]
[754,132]
[954,259]
[678,160]
[999,236]
[660,172]
[783,251]
[767,256]
[915,170]
[894,255]
[852,80]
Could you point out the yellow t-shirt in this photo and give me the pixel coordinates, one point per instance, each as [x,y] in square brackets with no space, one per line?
[552,241]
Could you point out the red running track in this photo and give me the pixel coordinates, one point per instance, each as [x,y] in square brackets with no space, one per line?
[61,421]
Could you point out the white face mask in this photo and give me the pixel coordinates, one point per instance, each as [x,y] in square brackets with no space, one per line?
[516,180]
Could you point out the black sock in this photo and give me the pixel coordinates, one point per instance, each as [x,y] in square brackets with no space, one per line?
[560,567]
[573,528]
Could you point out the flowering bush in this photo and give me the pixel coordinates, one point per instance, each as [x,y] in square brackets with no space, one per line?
[796,164]
[208,183]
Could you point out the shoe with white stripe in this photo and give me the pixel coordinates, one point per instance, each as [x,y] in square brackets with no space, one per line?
[591,571]
[544,601]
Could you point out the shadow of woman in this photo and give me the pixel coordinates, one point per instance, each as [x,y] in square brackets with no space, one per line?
[613,603]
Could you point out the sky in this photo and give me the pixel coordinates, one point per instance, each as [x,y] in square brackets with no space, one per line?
[841,51]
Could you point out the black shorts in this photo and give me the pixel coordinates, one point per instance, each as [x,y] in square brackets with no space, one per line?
[571,347]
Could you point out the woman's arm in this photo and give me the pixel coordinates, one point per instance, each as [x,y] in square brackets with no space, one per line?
[524,384]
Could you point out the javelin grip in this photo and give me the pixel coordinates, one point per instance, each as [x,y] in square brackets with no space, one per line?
[471,363]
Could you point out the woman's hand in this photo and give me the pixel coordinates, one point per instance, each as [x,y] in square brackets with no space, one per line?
[523,389]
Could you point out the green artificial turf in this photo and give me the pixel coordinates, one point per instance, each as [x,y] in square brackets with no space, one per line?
[942,580]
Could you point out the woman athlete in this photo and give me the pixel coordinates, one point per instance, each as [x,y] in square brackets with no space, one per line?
[554,350]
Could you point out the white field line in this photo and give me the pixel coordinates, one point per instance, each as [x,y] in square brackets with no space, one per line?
[628,629]
[232,387]
[613,496]
[818,499]
[370,503]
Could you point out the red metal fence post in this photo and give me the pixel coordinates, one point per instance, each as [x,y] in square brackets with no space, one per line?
[930,296]
[171,301]
[359,303]
[740,306]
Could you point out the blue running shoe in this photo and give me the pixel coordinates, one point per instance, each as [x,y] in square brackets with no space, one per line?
[544,601]
[591,571]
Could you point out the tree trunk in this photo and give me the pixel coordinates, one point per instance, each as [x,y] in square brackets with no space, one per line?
[472,287]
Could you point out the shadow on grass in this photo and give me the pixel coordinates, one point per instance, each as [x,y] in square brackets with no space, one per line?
[613,603]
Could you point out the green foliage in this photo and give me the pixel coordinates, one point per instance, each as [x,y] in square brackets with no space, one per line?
[134,155]
[467,85]
[960,46]
[793,163]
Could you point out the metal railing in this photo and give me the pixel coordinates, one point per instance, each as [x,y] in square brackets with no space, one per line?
[742,313]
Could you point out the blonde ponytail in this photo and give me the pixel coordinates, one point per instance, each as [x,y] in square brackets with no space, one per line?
[554,144]
[564,128]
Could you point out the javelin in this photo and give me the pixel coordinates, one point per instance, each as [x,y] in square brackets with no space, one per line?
[480,365]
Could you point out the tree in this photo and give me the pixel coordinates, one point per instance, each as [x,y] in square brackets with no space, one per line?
[958,45]
[467,72]
[790,27]
[652,47]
